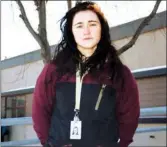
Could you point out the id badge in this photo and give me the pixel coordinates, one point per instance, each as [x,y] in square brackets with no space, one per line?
[75,129]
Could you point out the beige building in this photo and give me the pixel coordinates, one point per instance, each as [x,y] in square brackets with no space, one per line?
[146,59]
[148,52]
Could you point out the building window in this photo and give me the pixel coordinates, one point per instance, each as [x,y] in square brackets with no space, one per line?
[13,107]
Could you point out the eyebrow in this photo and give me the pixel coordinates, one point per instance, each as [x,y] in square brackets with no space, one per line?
[88,21]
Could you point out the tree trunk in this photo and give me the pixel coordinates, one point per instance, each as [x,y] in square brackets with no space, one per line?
[40,37]
[45,48]
[69,3]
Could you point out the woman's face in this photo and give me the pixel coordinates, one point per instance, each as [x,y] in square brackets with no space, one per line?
[86,28]
[75,130]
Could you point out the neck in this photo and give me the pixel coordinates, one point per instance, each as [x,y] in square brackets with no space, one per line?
[87,52]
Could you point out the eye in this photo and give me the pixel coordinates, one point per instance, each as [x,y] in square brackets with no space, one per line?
[92,24]
[79,26]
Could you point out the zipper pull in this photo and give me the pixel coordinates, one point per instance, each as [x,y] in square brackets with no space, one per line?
[100,97]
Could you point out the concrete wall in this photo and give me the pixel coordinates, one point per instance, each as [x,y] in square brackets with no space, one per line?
[23,132]
[152,91]
[144,139]
[149,50]
[20,76]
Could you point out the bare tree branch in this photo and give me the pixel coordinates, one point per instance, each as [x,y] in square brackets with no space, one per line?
[45,49]
[69,3]
[23,16]
[140,28]
[78,1]
[41,38]
[38,3]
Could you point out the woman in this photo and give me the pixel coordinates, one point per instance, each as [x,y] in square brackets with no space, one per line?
[75,131]
[85,85]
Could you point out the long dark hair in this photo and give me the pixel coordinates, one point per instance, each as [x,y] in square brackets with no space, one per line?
[67,57]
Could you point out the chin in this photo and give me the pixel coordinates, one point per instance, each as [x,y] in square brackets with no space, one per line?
[89,46]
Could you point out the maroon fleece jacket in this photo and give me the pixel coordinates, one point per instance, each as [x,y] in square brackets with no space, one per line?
[127,106]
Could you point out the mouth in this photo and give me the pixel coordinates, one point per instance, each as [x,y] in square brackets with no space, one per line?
[87,38]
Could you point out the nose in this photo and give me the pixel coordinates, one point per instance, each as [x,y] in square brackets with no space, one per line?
[86,30]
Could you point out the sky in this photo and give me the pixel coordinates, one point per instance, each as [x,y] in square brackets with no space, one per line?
[17,40]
